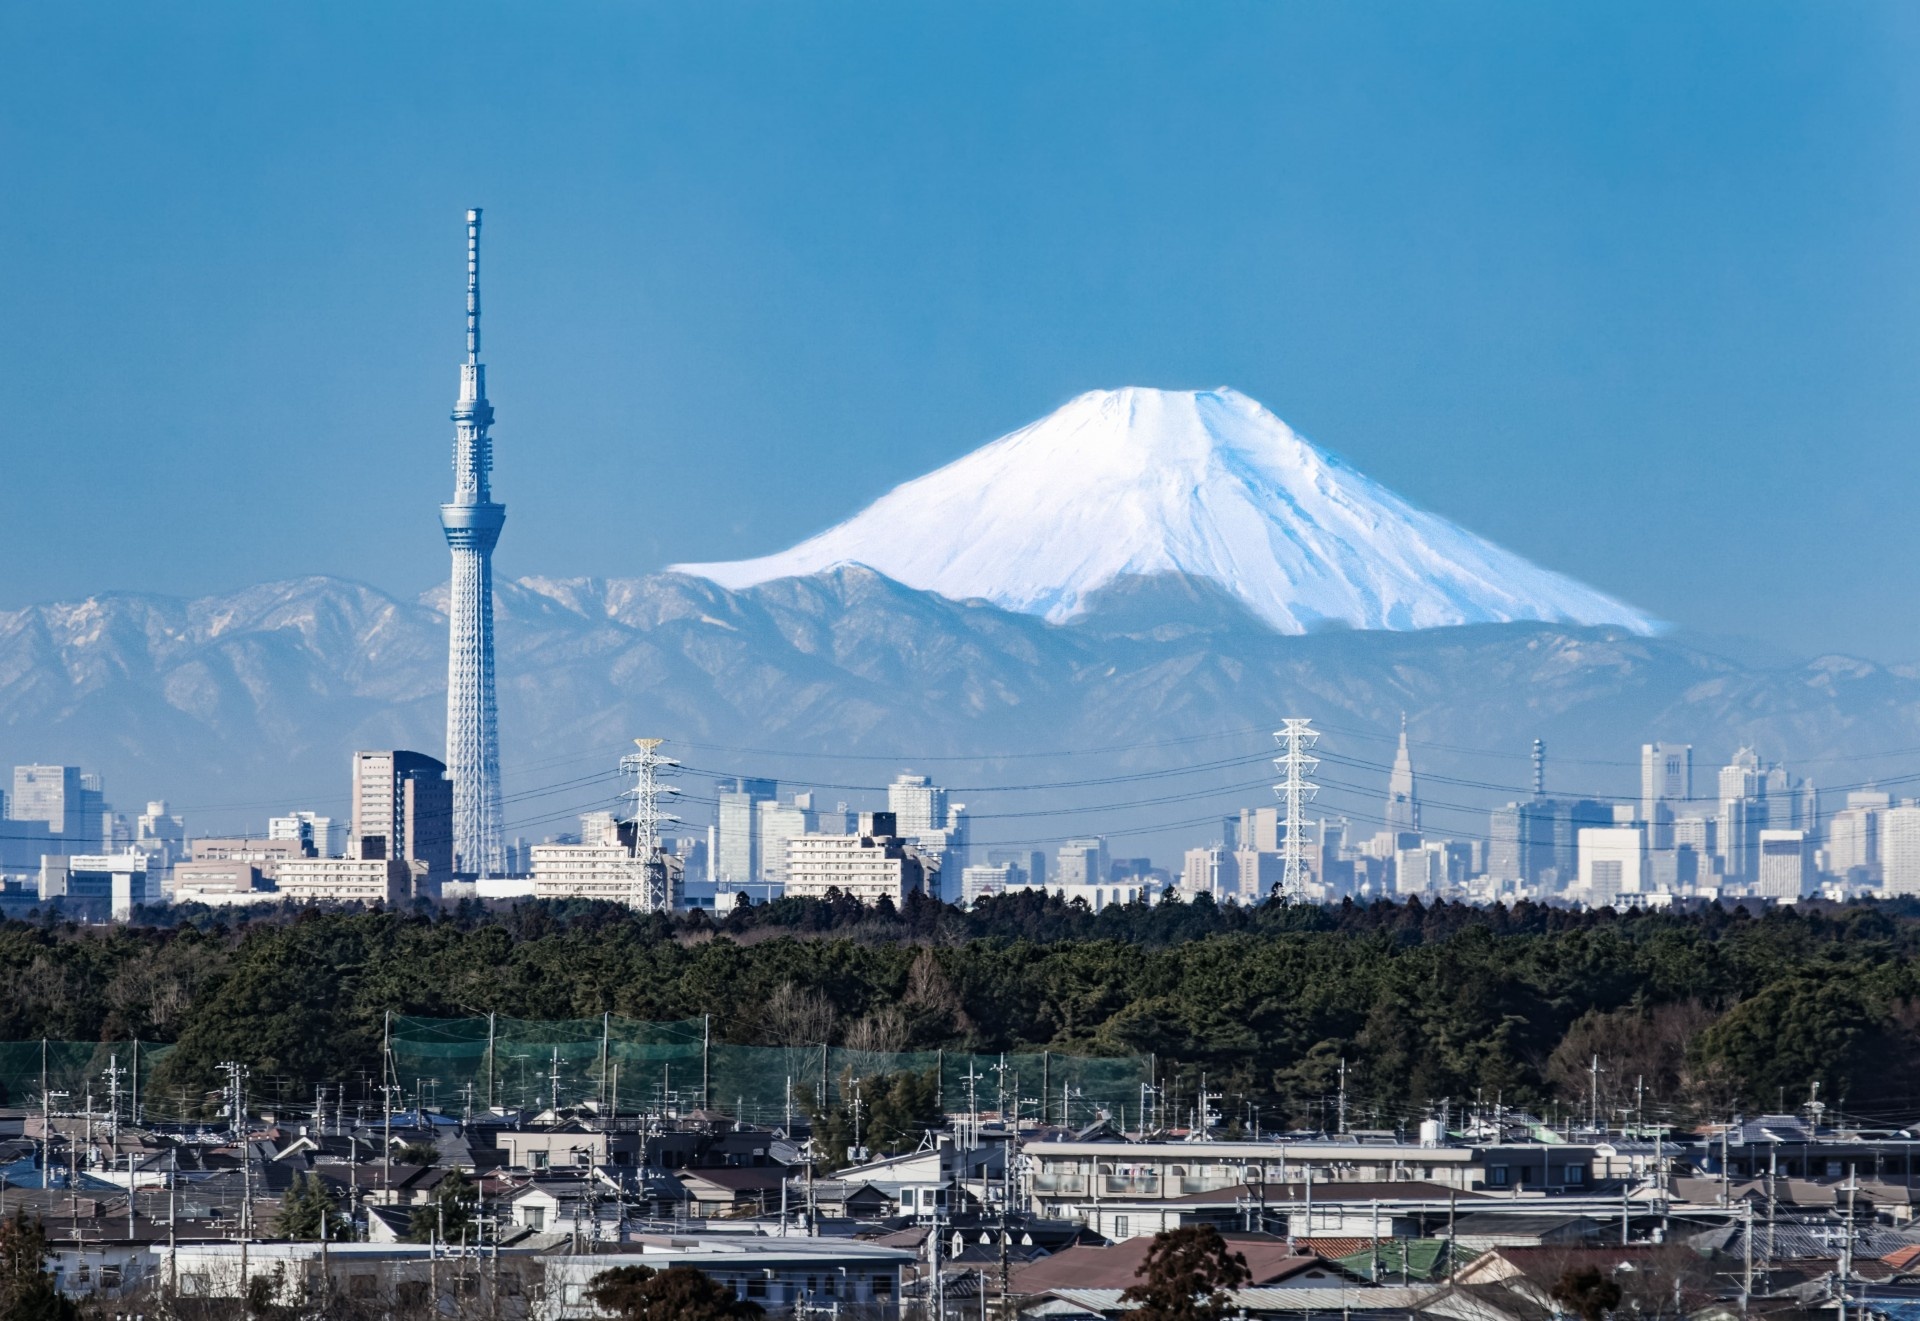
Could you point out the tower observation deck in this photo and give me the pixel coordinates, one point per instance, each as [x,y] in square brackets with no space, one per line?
[472,521]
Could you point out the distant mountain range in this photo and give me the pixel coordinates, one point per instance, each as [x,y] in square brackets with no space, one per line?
[241,704]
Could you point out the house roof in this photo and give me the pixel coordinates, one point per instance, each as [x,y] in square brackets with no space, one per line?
[1495,1223]
[1118,1266]
[736,1178]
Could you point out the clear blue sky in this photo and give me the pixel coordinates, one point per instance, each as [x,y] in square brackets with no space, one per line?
[1630,288]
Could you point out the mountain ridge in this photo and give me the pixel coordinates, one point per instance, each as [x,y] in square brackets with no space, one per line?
[239,704]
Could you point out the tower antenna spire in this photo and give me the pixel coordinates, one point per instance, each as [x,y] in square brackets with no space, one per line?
[473,285]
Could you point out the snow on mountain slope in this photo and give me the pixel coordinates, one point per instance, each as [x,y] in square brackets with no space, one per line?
[1207,484]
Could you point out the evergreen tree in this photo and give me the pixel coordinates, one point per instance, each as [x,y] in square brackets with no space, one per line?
[27,1292]
[446,1213]
[307,1206]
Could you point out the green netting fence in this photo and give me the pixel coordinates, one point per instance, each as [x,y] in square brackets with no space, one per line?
[631,1064]
[637,1065]
[76,1069]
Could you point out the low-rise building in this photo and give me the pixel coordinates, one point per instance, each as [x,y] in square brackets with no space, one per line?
[869,866]
[220,882]
[345,880]
[113,882]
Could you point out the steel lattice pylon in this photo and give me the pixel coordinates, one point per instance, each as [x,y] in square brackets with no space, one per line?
[650,892]
[1297,737]
[472,522]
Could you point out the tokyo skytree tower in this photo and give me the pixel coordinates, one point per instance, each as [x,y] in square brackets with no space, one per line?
[472,522]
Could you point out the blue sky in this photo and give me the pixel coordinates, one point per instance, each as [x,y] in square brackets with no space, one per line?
[1628,288]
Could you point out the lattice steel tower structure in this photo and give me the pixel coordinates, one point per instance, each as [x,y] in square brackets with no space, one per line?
[650,890]
[472,522]
[1295,763]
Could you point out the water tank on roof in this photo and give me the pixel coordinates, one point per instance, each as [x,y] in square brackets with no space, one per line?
[1431,1134]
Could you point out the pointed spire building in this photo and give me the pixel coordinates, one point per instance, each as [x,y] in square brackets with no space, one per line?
[472,522]
[1403,797]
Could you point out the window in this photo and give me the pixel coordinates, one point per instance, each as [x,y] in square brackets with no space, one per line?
[883,1286]
[538,1159]
[757,1286]
[510,1283]
[536,1217]
[361,1286]
[1576,1173]
[1120,1227]
[1497,1175]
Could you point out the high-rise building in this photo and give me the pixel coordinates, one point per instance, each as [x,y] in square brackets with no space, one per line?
[323,836]
[1081,862]
[778,822]
[985,879]
[1900,849]
[472,522]
[1756,797]
[1520,842]
[67,799]
[403,808]
[1403,796]
[1205,870]
[1666,783]
[737,826]
[1032,862]
[934,826]
[1853,837]
[1786,864]
[1613,862]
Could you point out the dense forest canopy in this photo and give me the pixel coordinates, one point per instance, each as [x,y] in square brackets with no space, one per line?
[1702,1013]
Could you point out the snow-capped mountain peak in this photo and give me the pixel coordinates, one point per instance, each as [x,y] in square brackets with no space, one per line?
[1208,484]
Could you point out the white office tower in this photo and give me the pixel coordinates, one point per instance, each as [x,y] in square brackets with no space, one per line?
[1853,837]
[1613,862]
[327,837]
[1900,849]
[472,522]
[1666,783]
[937,828]
[1786,865]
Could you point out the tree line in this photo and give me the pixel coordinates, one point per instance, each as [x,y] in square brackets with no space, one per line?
[1691,1014]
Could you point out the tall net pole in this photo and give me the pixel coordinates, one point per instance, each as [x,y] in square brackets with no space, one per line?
[649,891]
[1295,763]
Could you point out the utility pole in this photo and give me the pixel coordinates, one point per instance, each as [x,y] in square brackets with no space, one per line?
[113,1072]
[1846,1244]
[1295,764]
[1593,1112]
[1343,1096]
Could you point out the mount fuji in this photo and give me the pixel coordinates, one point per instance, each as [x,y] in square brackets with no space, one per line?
[1203,485]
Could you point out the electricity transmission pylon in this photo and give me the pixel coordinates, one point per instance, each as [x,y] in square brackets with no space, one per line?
[1295,764]
[649,890]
